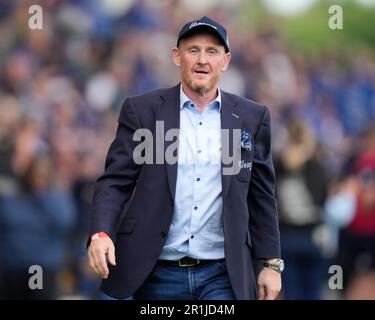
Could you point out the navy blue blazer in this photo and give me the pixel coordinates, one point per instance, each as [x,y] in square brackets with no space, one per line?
[134,203]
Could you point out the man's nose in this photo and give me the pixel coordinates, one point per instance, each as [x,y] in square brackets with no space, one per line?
[202,58]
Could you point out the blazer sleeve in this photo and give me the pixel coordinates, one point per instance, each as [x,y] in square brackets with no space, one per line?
[114,188]
[262,202]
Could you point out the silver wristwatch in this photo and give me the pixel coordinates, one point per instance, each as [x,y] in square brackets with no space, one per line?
[277,265]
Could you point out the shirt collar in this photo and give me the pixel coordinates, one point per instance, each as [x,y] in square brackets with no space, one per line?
[184,99]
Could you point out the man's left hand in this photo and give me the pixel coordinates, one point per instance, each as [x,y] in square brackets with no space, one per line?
[269,284]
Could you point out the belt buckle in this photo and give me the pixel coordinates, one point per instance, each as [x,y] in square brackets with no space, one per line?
[185,265]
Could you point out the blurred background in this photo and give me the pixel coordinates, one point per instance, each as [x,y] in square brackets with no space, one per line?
[61,89]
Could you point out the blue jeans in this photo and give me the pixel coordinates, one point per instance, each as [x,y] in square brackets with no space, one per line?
[202,282]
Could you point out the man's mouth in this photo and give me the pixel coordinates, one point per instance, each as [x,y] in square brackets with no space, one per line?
[201,72]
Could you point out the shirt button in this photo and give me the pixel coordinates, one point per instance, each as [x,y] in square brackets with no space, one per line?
[195,208]
[198,179]
[192,237]
[191,105]
[199,151]
[200,123]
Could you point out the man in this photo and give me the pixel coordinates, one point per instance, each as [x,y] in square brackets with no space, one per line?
[188,229]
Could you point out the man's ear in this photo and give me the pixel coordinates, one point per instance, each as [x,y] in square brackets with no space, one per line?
[176,56]
[227,58]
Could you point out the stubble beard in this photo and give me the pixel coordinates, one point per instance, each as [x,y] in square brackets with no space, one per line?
[200,89]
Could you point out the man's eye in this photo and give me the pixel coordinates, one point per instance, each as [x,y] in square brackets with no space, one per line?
[193,50]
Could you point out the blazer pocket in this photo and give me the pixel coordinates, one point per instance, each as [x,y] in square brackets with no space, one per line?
[248,239]
[126,226]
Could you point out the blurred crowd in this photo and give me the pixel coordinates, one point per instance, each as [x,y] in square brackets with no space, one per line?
[61,89]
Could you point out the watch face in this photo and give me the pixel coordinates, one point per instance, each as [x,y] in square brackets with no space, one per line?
[281,265]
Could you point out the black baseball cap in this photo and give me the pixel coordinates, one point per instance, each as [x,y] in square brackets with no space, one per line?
[208,24]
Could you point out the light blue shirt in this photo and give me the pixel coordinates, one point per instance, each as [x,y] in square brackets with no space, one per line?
[197,228]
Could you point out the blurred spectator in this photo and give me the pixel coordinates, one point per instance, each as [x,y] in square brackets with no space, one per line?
[10,116]
[35,225]
[301,190]
[356,252]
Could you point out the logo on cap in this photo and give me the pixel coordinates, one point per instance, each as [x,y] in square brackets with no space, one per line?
[194,24]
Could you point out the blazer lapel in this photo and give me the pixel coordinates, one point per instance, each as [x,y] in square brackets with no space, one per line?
[169,113]
[230,119]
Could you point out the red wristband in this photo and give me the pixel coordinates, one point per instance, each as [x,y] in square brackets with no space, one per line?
[99,235]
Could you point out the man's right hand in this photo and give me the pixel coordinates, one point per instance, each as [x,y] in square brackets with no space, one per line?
[98,252]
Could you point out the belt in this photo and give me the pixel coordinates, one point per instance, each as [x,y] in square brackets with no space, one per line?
[187,262]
